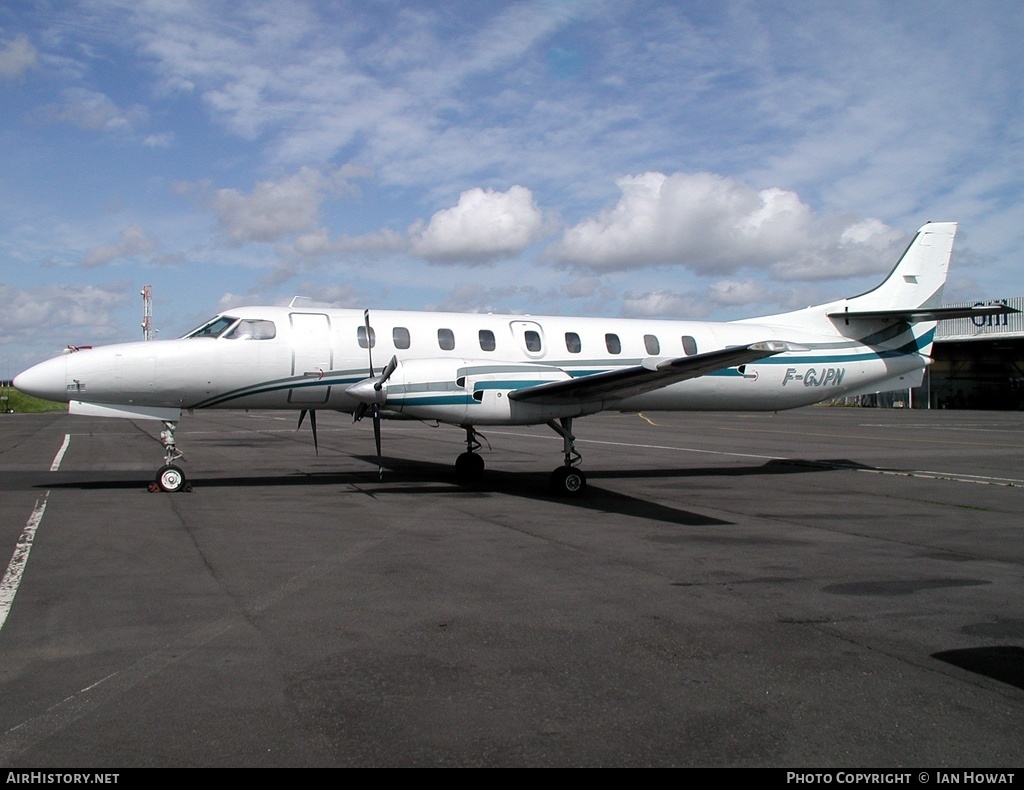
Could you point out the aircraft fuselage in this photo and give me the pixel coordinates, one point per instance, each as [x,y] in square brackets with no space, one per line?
[460,367]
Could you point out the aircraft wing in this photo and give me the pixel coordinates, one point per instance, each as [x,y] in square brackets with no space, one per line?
[929,314]
[653,373]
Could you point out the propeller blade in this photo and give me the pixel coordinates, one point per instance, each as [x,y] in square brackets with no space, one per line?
[378,385]
[376,439]
[386,374]
[360,412]
[312,424]
[369,339]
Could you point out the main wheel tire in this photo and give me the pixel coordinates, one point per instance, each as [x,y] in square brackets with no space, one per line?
[469,466]
[170,478]
[568,481]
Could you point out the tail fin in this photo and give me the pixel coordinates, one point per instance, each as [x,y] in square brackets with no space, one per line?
[913,290]
[911,294]
[902,311]
[917,280]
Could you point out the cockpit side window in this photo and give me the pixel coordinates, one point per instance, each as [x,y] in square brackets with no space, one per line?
[252,329]
[213,327]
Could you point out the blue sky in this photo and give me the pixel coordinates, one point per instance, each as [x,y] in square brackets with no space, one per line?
[682,159]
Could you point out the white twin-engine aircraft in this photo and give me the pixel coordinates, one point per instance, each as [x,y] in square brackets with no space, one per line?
[473,370]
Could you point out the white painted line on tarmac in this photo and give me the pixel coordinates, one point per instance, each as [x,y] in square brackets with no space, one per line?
[643,446]
[16,568]
[1009,482]
[960,477]
[681,449]
[60,453]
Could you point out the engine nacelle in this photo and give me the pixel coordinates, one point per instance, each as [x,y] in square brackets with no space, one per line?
[472,391]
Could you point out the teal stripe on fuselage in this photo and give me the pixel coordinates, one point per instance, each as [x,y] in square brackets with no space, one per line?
[914,346]
[276,385]
[508,385]
[436,400]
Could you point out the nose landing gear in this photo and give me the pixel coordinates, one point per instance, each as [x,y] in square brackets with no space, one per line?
[170,477]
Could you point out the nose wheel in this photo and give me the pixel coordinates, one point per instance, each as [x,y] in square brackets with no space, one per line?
[170,478]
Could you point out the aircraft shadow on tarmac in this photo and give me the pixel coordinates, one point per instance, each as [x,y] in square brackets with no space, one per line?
[404,477]
[1004,663]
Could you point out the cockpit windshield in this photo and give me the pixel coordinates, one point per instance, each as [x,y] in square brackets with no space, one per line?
[231,328]
[213,328]
[252,329]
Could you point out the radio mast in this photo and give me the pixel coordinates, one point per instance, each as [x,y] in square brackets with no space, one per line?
[147,312]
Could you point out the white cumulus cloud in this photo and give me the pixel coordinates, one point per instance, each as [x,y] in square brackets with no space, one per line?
[714,224]
[274,209]
[483,225]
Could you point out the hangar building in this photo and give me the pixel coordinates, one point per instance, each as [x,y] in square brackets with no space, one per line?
[979,362]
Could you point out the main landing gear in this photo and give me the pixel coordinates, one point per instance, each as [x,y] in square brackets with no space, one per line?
[566,480]
[170,478]
[470,465]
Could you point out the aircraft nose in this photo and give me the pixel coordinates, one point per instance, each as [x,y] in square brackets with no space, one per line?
[47,380]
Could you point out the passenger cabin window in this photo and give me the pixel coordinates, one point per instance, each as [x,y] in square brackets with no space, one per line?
[532,339]
[252,329]
[613,344]
[652,345]
[361,337]
[572,343]
[214,327]
[689,346]
[446,339]
[400,337]
[486,340]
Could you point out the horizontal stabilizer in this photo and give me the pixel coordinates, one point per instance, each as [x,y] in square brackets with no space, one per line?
[653,374]
[925,314]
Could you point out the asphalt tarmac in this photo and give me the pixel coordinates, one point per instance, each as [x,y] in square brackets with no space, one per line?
[822,588]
